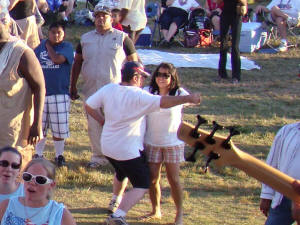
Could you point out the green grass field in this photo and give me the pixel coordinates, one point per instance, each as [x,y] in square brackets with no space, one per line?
[265,100]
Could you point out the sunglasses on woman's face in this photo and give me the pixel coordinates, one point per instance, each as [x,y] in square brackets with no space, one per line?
[38,179]
[163,75]
[5,163]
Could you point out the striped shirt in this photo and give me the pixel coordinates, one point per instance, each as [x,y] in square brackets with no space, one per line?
[284,155]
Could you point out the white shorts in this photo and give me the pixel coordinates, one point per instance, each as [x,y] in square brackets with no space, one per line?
[56,115]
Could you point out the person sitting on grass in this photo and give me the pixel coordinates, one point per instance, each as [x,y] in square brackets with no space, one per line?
[10,165]
[56,58]
[174,17]
[36,207]
[283,13]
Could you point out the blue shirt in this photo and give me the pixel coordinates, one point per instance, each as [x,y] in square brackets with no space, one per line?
[54,4]
[57,76]
[19,192]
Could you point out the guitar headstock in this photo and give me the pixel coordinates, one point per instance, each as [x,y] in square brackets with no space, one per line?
[216,147]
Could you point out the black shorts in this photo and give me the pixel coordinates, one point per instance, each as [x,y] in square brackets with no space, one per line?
[137,171]
[173,15]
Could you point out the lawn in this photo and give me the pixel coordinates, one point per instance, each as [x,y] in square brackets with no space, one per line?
[265,100]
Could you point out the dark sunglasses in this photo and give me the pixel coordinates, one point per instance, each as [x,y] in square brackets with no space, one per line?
[163,75]
[5,163]
[38,179]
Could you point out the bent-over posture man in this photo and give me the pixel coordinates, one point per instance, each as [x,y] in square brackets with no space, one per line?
[125,106]
[99,58]
[21,79]
[284,156]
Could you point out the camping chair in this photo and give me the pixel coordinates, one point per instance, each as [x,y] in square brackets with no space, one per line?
[272,31]
[90,4]
[153,12]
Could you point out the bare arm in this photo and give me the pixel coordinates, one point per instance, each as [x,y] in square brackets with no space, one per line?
[76,68]
[12,4]
[56,58]
[170,101]
[67,218]
[30,68]
[95,114]
[169,2]
[219,1]
[132,57]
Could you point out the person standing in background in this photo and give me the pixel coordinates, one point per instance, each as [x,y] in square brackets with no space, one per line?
[99,58]
[133,17]
[231,18]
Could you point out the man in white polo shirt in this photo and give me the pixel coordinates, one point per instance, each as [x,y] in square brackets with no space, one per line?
[125,106]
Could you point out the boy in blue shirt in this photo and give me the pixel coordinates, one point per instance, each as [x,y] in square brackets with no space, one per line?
[56,57]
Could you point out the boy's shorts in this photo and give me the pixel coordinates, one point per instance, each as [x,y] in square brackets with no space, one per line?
[56,115]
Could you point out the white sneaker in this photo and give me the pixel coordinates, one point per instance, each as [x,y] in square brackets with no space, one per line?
[291,21]
[116,220]
[283,47]
[113,205]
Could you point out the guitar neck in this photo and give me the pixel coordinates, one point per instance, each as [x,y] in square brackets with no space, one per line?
[266,174]
[240,160]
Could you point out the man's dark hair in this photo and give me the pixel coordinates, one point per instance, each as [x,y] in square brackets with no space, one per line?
[116,10]
[57,25]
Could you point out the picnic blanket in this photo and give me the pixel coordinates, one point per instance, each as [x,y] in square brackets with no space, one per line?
[155,57]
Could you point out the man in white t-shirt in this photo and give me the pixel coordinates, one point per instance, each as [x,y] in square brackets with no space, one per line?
[283,13]
[133,17]
[124,106]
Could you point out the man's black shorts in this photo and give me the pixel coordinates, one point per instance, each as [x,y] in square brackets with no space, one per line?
[137,171]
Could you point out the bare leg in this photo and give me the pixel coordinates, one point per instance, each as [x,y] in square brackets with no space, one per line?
[119,186]
[176,189]
[280,19]
[216,22]
[69,6]
[171,32]
[154,191]
[165,33]
[131,198]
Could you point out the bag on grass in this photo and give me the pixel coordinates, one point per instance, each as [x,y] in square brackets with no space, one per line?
[191,38]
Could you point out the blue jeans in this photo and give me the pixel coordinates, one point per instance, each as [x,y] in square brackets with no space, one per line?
[282,214]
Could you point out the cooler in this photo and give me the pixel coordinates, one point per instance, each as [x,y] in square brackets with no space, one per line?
[144,38]
[253,36]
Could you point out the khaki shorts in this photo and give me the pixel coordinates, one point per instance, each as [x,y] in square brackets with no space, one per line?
[169,154]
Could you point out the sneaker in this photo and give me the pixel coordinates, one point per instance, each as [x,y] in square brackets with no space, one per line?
[291,21]
[282,47]
[99,163]
[36,156]
[116,220]
[113,205]
[60,161]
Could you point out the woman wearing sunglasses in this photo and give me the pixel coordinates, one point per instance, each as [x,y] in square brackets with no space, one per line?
[161,142]
[10,164]
[36,207]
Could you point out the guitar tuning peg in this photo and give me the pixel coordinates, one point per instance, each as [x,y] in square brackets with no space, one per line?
[211,156]
[232,132]
[209,139]
[198,146]
[200,120]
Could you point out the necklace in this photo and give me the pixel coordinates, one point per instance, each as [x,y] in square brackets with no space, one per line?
[28,218]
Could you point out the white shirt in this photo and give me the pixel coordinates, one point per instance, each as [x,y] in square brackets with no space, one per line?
[187,6]
[124,109]
[284,156]
[136,16]
[295,4]
[162,125]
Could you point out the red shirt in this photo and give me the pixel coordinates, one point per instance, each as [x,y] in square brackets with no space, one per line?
[118,26]
[213,5]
